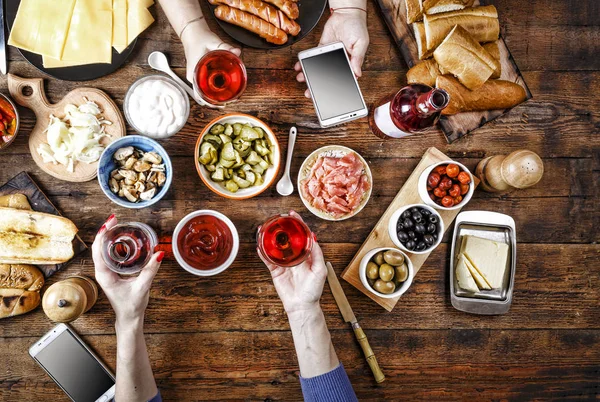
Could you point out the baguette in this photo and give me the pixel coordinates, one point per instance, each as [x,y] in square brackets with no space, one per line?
[17,301]
[413,11]
[441,6]
[419,30]
[18,201]
[28,237]
[460,55]
[494,50]
[494,94]
[264,29]
[265,11]
[480,22]
[25,277]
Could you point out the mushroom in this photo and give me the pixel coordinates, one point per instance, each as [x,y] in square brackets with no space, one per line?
[161,178]
[138,175]
[152,157]
[114,185]
[141,166]
[130,195]
[139,187]
[158,168]
[141,176]
[128,174]
[130,162]
[123,153]
[148,194]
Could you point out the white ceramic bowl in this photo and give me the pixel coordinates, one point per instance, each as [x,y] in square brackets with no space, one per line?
[422,187]
[270,174]
[305,170]
[394,233]
[214,271]
[362,273]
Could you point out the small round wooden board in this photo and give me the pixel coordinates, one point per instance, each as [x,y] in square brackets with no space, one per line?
[42,108]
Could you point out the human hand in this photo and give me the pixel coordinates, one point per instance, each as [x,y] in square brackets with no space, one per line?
[350,28]
[198,40]
[128,296]
[300,287]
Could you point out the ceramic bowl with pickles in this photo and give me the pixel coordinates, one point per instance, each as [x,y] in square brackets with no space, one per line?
[387,272]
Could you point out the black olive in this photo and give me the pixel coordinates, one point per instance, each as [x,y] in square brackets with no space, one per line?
[435,236]
[406,214]
[412,235]
[414,210]
[425,212]
[408,223]
[431,228]
[421,246]
[420,228]
[410,245]
[400,226]
[428,239]
[433,219]
[402,236]
[417,217]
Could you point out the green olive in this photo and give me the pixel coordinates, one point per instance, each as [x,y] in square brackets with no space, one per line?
[401,273]
[371,282]
[384,287]
[386,272]
[379,258]
[372,270]
[393,257]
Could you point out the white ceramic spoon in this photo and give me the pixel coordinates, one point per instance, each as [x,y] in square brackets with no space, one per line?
[285,186]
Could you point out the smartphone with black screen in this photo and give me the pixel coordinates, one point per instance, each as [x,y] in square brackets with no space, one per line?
[73,366]
[332,84]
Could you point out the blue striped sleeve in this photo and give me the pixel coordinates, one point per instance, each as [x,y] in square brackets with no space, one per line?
[157,398]
[329,387]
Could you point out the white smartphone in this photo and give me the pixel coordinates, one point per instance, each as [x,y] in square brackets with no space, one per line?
[73,366]
[332,84]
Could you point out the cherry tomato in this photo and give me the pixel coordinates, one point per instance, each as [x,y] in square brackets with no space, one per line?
[434,179]
[458,199]
[446,184]
[448,202]
[439,192]
[441,170]
[452,170]
[464,189]
[454,191]
[464,178]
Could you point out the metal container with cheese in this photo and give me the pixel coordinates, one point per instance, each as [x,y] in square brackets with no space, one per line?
[482,267]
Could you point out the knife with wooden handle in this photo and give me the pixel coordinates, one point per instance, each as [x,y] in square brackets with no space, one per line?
[348,314]
[3,68]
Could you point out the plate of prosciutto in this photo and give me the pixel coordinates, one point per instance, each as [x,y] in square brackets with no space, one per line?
[335,183]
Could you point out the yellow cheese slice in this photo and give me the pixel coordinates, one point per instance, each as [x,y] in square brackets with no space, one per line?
[489,258]
[119,39]
[138,18]
[464,277]
[482,283]
[90,35]
[41,26]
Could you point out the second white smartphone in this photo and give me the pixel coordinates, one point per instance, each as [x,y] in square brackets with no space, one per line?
[73,366]
[332,84]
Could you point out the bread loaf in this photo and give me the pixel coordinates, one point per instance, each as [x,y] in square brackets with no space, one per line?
[419,30]
[493,94]
[460,55]
[480,22]
[17,276]
[17,201]
[413,11]
[425,73]
[441,6]
[17,301]
[494,50]
[28,237]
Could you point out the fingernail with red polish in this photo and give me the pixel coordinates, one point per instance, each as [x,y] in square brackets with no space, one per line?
[110,218]
[160,257]
[314,237]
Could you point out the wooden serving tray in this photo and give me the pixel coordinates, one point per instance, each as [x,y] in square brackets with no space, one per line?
[24,184]
[459,125]
[379,236]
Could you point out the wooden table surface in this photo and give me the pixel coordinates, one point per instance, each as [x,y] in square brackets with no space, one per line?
[227,338]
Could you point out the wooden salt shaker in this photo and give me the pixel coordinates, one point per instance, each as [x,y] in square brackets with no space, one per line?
[520,169]
[67,300]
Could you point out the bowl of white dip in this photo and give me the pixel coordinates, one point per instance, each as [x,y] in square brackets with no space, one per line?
[155,106]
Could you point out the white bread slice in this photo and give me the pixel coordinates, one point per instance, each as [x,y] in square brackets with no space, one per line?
[419,30]
[413,11]
[442,6]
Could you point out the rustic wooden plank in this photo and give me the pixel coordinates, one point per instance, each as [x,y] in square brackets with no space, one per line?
[423,365]
[555,287]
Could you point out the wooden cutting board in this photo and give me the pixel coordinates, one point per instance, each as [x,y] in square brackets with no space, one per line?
[459,125]
[38,102]
[24,184]
[379,236]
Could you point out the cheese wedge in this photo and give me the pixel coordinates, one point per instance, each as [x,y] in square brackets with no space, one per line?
[41,26]
[119,38]
[89,39]
[482,283]
[138,18]
[488,257]
[464,277]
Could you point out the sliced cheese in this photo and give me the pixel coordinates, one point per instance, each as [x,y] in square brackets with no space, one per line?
[482,283]
[89,39]
[488,257]
[464,277]
[138,18]
[41,26]
[119,38]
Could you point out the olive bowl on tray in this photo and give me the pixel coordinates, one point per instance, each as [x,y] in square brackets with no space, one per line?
[386,272]
[416,228]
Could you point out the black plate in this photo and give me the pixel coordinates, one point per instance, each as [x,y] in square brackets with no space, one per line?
[310,14]
[77,73]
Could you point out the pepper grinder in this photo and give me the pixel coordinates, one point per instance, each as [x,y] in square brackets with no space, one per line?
[519,169]
[67,300]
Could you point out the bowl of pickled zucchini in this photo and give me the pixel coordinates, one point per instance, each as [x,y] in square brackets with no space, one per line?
[237,156]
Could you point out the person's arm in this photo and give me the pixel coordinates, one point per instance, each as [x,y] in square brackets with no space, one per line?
[129,297]
[189,24]
[322,377]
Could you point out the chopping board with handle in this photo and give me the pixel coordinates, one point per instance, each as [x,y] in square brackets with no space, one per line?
[36,100]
